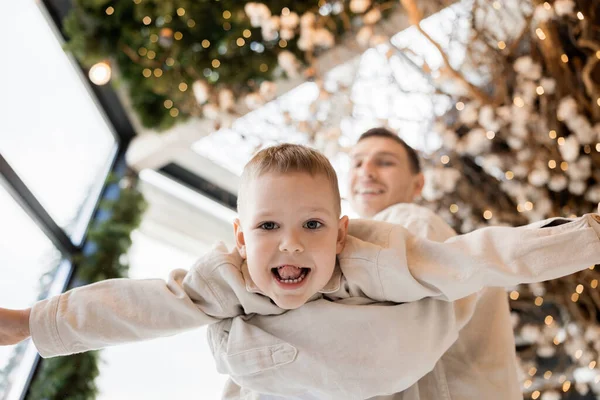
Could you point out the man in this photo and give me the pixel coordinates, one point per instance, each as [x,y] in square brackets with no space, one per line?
[424,350]
[385,179]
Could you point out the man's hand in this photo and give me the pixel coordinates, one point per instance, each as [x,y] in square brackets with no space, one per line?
[14,326]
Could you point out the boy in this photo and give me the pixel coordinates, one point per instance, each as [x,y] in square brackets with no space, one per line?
[292,247]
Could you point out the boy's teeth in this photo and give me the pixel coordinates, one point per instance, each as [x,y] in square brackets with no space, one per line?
[289,272]
[296,280]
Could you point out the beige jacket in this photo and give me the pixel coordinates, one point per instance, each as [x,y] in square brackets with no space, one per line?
[481,364]
[381,262]
[407,339]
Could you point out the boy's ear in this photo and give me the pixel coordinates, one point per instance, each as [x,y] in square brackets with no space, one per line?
[240,242]
[342,232]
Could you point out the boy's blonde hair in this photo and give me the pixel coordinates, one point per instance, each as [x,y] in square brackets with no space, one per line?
[286,158]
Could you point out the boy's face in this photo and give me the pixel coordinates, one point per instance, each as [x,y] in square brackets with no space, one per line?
[290,234]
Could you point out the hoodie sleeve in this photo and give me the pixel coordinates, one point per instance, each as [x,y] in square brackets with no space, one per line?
[119,311]
[409,268]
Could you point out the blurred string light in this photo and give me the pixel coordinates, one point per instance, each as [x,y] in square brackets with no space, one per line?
[100,73]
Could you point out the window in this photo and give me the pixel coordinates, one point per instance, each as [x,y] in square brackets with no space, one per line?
[51,131]
[186,368]
[60,147]
[29,262]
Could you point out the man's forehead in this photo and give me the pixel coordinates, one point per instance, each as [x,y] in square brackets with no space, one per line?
[378,147]
[357,154]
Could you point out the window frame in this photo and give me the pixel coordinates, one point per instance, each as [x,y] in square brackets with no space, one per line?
[111,110]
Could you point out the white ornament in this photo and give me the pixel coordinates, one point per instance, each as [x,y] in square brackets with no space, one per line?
[548,84]
[469,114]
[431,190]
[543,206]
[449,139]
[286,34]
[539,177]
[288,62]
[226,100]
[564,7]
[376,40]
[520,115]
[577,187]
[450,177]
[289,21]
[581,169]
[492,164]
[505,113]
[323,38]
[551,394]
[487,119]
[364,35]
[526,67]
[558,183]
[520,170]
[567,108]
[530,333]
[593,194]
[592,333]
[584,375]
[542,14]
[583,388]
[518,130]
[514,143]
[210,111]
[582,129]
[476,142]
[251,10]
[201,91]
[305,41]
[359,6]
[528,92]
[268,90]
[561,335]
[258,13]
[269,28]
[253,101]
[570,149]
[514,319]
[537,288]
[372,17]
[524,155]
[307,20]
[546,351]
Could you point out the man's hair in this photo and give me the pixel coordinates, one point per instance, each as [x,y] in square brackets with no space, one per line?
[413,157]
[285,158]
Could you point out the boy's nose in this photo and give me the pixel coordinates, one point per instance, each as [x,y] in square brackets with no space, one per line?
[291,244]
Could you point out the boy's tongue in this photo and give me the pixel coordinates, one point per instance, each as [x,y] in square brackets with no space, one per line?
[289,272]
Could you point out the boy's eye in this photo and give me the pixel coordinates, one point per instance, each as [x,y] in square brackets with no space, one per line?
[312,224]
[267,226]
[356,163]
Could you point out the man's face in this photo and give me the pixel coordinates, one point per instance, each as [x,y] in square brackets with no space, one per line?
[380,176]
[290,234]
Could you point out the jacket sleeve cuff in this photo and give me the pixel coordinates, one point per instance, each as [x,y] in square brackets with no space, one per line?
[44,330]
[594,221]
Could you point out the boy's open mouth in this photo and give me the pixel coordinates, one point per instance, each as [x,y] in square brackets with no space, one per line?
[290,273]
